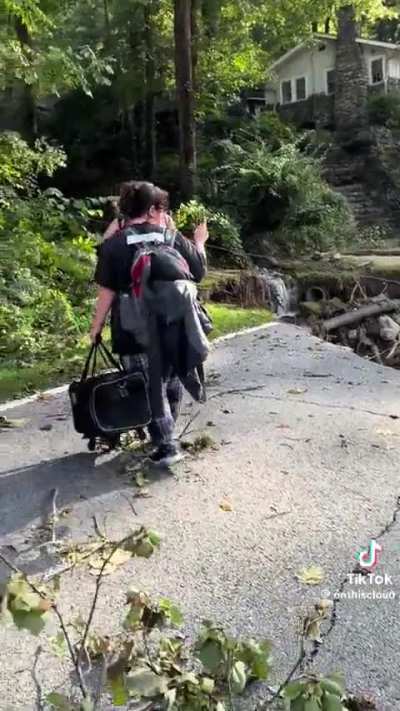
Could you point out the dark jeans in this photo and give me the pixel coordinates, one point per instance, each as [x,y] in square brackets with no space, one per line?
[162,429]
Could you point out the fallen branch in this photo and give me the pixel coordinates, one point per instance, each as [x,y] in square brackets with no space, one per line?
[99,581]
[288,679]
[190,422]
[38,686]
[56,611]
[354,317]
[54,517]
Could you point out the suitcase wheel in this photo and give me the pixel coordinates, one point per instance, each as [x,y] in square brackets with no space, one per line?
[92,444]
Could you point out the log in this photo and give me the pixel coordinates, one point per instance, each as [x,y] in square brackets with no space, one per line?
[353,317]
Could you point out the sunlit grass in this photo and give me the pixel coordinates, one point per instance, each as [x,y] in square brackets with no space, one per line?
[19,381]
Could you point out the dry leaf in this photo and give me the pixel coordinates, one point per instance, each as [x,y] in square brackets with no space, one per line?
[143,493]
[297,391]
[119,557]
[312,623]
[314,575]
[225,505]
[7,424]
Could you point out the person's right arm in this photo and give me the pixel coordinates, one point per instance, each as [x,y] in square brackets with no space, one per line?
[105,280]
[105,297]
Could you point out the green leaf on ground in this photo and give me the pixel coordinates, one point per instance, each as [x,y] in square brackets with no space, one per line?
[331,702]
[60,702]
[118,689]
[33,621]
[238,677]
[210,655]
[146,683]
[58,645]
[171,612]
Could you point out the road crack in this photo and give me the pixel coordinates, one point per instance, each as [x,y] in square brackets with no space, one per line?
[357,570]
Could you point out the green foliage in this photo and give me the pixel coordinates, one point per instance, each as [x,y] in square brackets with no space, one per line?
[21,165]
[384,110]
[47,257]
[314,693]
[20,604]
[278,190]
[35,50]
[224,233]
[149,662]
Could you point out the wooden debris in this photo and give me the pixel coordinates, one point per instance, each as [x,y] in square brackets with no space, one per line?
[365,326]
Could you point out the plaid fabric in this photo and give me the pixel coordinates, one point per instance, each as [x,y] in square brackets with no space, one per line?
[162,429]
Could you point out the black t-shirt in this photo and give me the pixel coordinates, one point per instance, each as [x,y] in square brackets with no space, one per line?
[116,257]
[113,271]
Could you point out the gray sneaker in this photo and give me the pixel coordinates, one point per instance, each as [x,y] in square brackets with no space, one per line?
[166,455]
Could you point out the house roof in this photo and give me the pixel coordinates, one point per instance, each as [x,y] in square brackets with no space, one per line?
[331,38]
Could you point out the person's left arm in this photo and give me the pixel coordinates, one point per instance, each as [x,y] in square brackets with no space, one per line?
[112,228]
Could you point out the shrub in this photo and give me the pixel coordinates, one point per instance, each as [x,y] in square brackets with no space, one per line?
[20,165]
[280,191]
[384,110]
[47,257]
[270,128]
[53,312]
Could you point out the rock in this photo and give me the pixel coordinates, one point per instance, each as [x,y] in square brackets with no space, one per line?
[388,329]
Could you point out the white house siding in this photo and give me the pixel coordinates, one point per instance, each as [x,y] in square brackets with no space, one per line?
[323,60]
[313,64]
[309,63]
[391,60]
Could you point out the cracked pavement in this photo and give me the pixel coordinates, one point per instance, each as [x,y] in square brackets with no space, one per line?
[309,461]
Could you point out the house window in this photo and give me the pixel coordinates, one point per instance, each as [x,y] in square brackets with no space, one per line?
[377,70]
[301,91]
[394,69]
[286,92]
[330,81]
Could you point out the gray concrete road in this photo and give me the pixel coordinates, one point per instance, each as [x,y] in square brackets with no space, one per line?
[310,463]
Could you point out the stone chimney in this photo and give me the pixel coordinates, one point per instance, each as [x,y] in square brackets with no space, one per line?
[351,81]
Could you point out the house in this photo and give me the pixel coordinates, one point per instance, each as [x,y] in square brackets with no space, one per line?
[302,87]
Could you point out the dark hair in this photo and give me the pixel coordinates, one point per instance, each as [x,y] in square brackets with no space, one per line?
[136,198]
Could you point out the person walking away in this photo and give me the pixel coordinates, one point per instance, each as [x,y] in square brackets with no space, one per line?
[145,220]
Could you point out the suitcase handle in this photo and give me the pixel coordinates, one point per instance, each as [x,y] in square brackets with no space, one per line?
[91,359]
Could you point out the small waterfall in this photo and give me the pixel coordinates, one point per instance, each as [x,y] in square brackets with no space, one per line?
[280,298]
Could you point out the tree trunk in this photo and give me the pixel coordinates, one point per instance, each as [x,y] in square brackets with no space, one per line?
[194,25]
[107,22]
[29,117]
[149,109]
[351,85]
[185,96]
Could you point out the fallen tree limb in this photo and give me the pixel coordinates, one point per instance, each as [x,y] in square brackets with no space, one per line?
[354,317]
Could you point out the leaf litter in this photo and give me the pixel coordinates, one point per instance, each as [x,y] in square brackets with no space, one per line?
[313,575]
